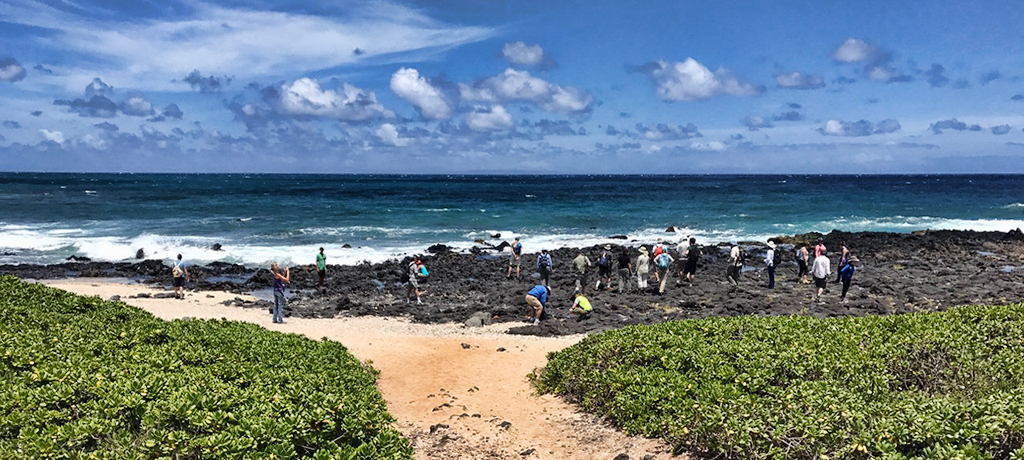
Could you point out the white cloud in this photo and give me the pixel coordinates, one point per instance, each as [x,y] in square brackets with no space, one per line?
[489,119]
[243,42]
[389,134]
[797,80]
[833,128]
[137,106]
[11,70]
[519,53]
[712,146]
[853,50]
[519,86]
[428,100]
[304,97]
[691,81]
[52,136]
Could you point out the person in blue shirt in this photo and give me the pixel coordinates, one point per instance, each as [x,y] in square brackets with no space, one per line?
[537,298]
[179,274]
[846,274]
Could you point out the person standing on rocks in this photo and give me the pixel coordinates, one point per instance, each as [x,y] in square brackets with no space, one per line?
[819,248]
[820,270]
[693,254]
[321,267]
[844,254]
[643,269]
[802,255]
[846,275]
[537,298]
[682,249]
[582,266]
[604,269]
[516,259]
[412,286]
[732,272]
[663,262]
[280,277]
[179,273]
[625,271]
[769,262]
[544,266]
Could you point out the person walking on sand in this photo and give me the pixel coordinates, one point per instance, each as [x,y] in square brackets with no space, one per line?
[693,254]
[802,255]
[846,274]
[820,270]
[643,269]
[663,262]
[580,305]
[280,277]
[732,271]
[537,298]
[625,271]
[412,287]
[545,266]
[321,267]
[179,274]
[516,259]
[582,266]
[769,262]
[843,255]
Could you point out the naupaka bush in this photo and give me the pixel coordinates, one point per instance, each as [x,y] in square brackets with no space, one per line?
[930,385]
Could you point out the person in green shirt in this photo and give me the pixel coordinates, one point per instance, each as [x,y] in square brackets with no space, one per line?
[321,267]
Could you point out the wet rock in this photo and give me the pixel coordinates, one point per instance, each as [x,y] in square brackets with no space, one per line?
[140,254]
[216,247]
[346,246]
[76,258]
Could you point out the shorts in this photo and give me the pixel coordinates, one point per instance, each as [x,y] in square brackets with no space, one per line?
[690,268]
[515,261]
[322,273]
[820,282]
[604,271]
[179,281]
[533,302]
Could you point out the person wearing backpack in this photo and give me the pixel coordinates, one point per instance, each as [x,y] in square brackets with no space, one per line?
[516,259]
[770,261]
[846,274]
[179,273]
[544,266]
[732,271]
[604,269]
[693,254]
[412,286]
[663,262]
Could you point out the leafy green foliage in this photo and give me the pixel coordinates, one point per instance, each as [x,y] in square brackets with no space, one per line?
[935,385]
[85,378]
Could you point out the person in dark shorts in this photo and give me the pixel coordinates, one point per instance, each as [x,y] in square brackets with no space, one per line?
[516,258]
[692,256]
[544,266]
[625,271]
[802,255]
[820,270]
[604,269]
[321,267]
[179,274]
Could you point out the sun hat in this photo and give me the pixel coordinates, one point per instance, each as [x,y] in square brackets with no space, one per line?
[608,247]
[771,244]
[643,249]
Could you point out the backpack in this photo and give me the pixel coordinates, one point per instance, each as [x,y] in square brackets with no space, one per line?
[605,260]
[545,260]
[776,258]
[693,253]
[176,270]
[663,261]
[517,249]
[798,256]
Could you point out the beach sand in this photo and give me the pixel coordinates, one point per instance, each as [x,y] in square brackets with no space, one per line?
[457,392]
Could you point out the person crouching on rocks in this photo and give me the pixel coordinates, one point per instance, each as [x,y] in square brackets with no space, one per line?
[537,298]
[581,305]
[280,277]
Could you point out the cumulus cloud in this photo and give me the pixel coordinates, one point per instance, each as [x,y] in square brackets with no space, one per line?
[521,54]
[489,119]
[792,115]
[107,126]
[853,50]
[797,80]
[519,86]
[95,107]
[952,124]
[667,132]
[547,127]
[98,88]
[208,84]
[171,111]
[389,134]
[937,76]
[429,100]
[691,81]
[137,106]
[52,136]
[304,97]
[1001,129]
[712,146]
[858,128]
[11,70]
[754,123]
[41,69]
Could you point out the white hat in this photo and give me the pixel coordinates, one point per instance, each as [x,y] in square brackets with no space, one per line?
[771,244]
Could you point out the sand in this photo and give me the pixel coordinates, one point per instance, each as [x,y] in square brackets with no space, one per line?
[457,392]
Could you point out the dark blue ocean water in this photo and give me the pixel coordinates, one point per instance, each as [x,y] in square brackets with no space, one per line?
[45,218]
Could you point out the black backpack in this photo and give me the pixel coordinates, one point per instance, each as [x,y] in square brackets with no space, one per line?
[605,260]
[776,258]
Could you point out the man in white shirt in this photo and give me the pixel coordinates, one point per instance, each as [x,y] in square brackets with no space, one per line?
[820,271]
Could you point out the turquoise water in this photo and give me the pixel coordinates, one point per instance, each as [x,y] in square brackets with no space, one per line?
[45,218]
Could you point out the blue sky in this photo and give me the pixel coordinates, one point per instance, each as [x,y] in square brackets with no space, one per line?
[501,86]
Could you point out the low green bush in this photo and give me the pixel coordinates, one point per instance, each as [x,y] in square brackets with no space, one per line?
[933,385]
[85,378]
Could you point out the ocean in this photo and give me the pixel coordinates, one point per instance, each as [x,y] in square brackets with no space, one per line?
[258,218]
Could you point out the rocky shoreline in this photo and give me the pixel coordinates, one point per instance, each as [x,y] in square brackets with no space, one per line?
[899,273]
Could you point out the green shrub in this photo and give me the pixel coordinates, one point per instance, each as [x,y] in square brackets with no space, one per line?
[85,378]
[934,385]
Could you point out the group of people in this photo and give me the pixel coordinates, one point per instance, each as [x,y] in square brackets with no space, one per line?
[819,268]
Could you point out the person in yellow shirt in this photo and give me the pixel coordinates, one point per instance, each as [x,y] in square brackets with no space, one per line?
[581,306]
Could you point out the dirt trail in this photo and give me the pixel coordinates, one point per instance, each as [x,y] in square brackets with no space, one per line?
[457,393]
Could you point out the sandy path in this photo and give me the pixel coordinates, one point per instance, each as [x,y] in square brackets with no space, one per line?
[451,401]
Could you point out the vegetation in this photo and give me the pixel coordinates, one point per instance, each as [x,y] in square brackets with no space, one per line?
[85,378]
[932,385]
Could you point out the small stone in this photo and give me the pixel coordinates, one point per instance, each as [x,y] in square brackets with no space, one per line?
[466,346]
[501,349]
[527,452]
